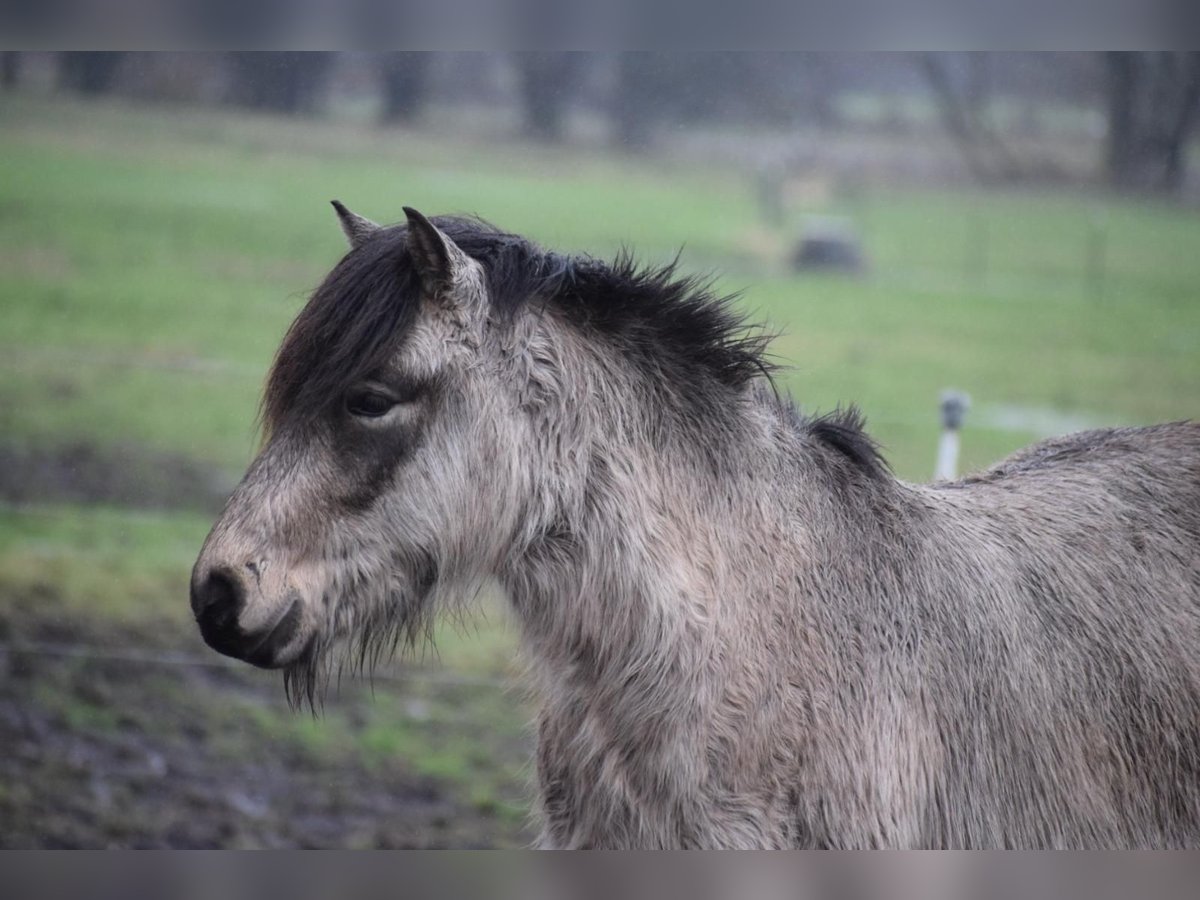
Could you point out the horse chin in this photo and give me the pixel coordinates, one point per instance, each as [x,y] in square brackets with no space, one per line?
[356,642]
[304,674]
[280,644]
[286,657]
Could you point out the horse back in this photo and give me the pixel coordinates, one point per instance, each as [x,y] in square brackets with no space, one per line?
[1148,477]
[1071,571]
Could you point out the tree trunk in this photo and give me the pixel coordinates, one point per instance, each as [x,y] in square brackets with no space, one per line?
[1179,135]
[964,115]
[635,106]
[10,68]
[1152,100]
[547,82]
[287,82]
[1121,70]
[90,72]
[405,81]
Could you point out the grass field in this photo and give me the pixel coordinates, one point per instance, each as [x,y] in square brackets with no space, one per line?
[150,259]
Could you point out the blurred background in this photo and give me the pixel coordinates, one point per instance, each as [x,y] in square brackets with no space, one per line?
[1022,227]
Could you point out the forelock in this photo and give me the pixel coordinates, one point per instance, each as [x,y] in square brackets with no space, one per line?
[363,311]
[353,320]
[366,307]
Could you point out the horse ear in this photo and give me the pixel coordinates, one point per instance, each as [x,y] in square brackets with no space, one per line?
[437,258]
[355,227]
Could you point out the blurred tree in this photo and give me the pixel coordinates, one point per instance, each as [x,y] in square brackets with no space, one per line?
[961,86]
[288,82]
[1153,99]
[405,79]
[547,81]
[89,72]
[777,88]
[821,85]
[10,68]
[636,98]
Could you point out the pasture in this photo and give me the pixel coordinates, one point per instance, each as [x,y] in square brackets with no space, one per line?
[150,260]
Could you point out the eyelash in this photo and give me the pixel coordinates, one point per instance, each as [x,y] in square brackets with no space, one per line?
[375,403]
[369,404]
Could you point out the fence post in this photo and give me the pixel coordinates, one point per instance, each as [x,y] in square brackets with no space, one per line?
[977,251]
[1095,264]
[768,182]
[954,406]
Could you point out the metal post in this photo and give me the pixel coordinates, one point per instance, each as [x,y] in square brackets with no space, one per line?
[1095,265]
[769,181]
[978,251]
[954,406]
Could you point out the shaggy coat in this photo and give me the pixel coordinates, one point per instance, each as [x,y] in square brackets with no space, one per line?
[743,630]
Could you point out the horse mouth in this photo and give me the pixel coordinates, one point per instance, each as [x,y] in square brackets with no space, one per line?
[267,652]
[267,649]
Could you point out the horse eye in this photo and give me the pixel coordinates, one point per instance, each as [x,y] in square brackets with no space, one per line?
[369,404]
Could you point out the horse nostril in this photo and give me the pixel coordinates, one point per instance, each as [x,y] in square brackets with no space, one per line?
[218,595]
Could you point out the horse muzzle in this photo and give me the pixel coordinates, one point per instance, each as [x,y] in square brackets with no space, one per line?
[219,602]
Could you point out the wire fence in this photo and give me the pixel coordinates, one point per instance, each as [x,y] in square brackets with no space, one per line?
[76,356]
[171,659]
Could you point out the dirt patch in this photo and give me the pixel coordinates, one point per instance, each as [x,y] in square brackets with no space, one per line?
[80,771]
[102,752]
[129,476]
[120,729]
[36,262]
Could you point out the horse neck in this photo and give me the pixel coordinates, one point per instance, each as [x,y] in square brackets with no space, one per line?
[655,529]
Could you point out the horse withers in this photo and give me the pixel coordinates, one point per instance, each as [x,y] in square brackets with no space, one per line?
[744,631]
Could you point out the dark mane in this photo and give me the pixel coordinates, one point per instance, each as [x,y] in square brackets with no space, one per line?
[348,327]
[666,323]
[663,320]
[843,431]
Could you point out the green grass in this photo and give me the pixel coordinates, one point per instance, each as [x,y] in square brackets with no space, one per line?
[99,570]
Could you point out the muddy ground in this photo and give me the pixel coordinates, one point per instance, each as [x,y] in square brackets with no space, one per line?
[160,752]
[130,476]
[120,729]
[118,752]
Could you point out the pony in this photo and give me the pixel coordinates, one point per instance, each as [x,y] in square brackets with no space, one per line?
[743,630]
